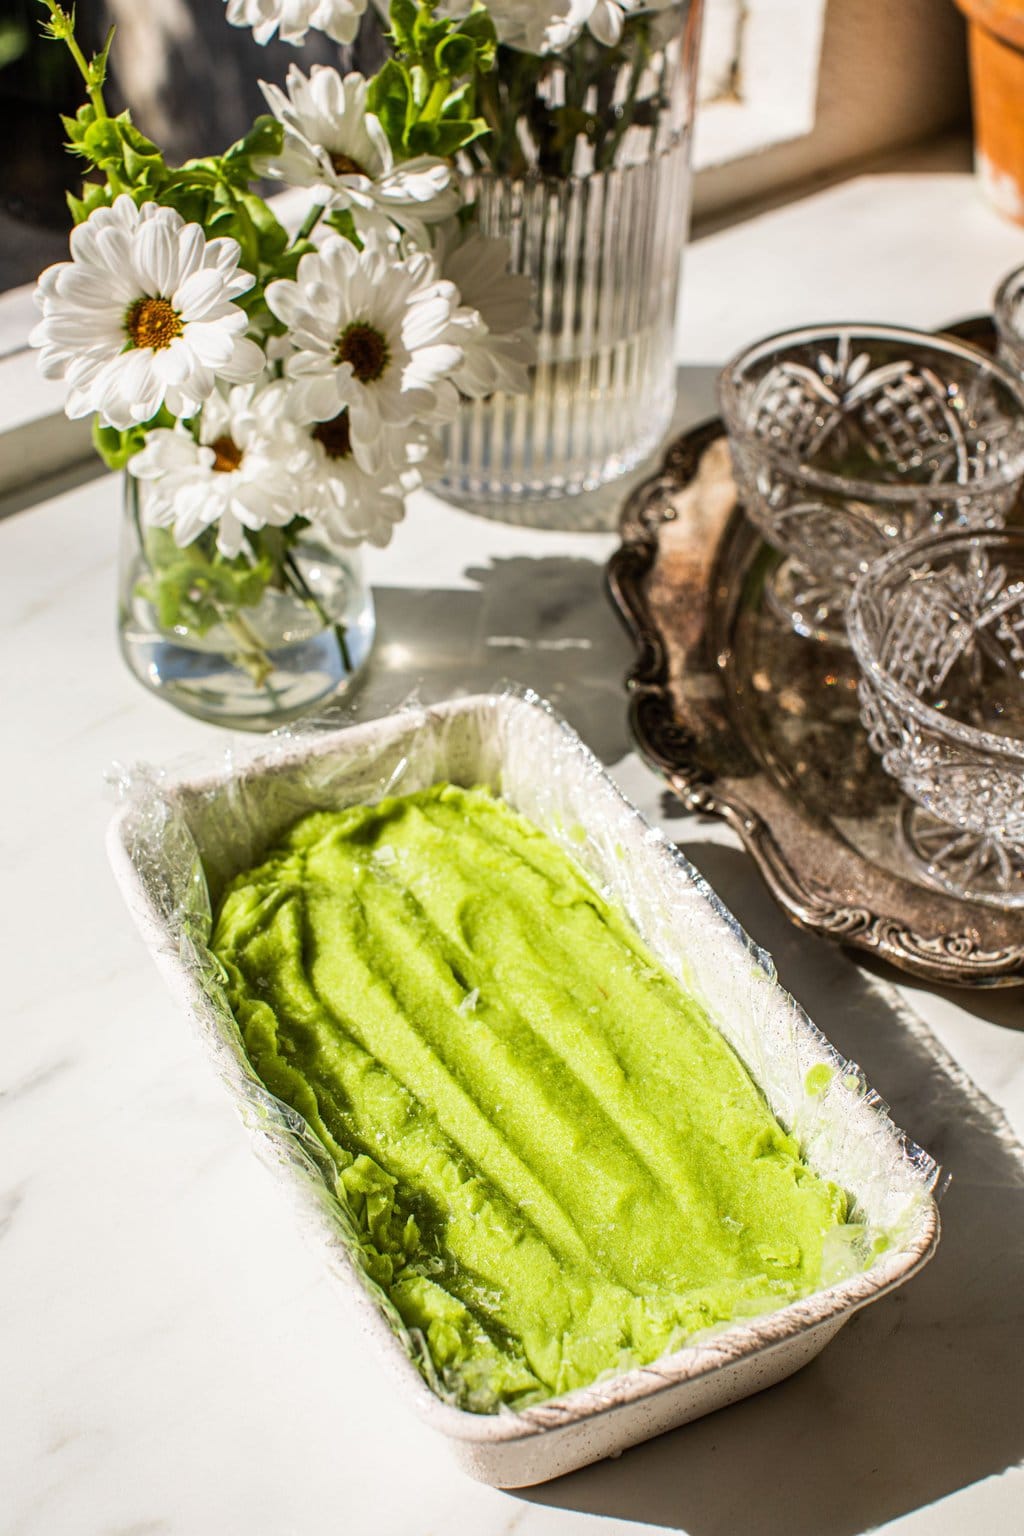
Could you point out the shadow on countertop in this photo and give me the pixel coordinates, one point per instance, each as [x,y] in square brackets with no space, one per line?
[922,1393]
[546,623]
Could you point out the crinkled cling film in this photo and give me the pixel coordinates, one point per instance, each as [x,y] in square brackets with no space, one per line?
[177,842]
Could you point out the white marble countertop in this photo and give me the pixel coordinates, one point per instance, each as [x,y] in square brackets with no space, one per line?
[173,1361]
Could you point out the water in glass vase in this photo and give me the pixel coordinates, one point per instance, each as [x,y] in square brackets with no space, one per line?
[587,420]
[256,665]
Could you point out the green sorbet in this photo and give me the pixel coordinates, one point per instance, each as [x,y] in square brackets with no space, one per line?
[554,1164]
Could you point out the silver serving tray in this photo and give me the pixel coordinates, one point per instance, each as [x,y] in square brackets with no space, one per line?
[752,723]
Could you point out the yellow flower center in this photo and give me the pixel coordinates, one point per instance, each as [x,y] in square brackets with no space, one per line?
[344,165]
[152,323]
[335,436]
[226,455]
[365,349]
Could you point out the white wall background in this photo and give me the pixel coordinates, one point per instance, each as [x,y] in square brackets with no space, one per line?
[821,84]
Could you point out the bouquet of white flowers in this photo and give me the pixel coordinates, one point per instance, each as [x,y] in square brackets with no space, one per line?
[267,386]
[582,167]
[257,383]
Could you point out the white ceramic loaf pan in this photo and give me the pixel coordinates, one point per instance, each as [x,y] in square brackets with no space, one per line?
[168,839]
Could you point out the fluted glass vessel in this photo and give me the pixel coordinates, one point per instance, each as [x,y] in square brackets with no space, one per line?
[586,173]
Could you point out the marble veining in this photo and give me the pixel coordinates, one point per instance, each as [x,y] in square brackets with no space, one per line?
[10,1201]
[33,1081]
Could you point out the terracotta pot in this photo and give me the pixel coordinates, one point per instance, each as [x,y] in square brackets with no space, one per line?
[996,29]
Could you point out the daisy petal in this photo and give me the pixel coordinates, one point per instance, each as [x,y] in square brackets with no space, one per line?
[130,267]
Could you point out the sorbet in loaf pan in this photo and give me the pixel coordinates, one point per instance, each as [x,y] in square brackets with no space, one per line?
[551,1161]
[535,1149]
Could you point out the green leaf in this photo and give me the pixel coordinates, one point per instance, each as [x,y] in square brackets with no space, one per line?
[95,195]
[116,147]
[456,55]
[142,168]
[389,99]
[136,139]
[115,448]
[341,220]
[204,169]
[402,15]
[479,27]
[76,127]
[422,138]
[432,79]
[427,33]
[98,65]
[265,137]
[271,233]
[196,587]
[445,139]
[102,143]
[193,203]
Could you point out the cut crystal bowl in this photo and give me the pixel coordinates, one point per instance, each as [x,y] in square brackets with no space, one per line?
[937,629]
[847,440]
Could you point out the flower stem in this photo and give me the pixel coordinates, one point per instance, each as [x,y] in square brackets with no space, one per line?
[251,655]
[61,27]
[641,54]
[310,223]
[308,595]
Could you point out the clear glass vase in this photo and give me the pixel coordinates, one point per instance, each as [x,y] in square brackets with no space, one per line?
[247,644]
[586,172]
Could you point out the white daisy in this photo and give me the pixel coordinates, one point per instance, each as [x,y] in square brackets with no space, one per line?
[142,315]
[292,19]
[334,146]
[533,26]
[248,470]
[368,332]
[564,28]
[604,19]
[349,504]
[552,26]
[493,325]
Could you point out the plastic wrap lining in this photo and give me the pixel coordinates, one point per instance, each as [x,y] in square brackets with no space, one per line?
[178,841]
